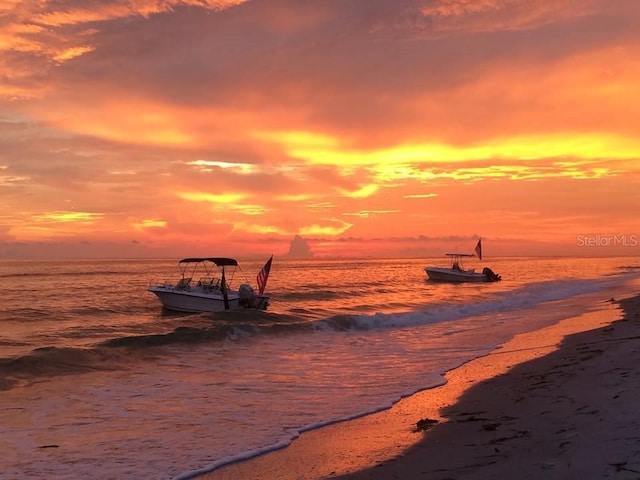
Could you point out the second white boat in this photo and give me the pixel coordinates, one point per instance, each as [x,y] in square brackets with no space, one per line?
[456,273]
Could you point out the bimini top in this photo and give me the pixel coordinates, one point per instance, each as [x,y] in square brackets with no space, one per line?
[219,261]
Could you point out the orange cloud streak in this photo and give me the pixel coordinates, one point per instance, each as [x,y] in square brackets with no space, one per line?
[148,122]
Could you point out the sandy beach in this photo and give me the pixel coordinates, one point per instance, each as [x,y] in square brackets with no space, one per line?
[549,404]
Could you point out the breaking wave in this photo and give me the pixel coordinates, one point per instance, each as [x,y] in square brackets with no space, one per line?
[117,353]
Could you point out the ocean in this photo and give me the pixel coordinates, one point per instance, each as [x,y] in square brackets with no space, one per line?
[97,381]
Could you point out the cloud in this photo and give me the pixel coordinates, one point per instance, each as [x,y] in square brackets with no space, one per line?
[491,15]
[238,120]
[189,76]
[299,248]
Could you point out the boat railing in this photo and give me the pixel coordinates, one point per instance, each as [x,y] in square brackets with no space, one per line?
[209,283]
[162,283]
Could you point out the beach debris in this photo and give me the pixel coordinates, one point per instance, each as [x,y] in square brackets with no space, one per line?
[490,427]
[474,418]
[516,435]
[622,467]
[49,446]
[425,424]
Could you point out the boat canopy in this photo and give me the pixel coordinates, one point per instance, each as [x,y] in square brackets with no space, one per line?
[219,261]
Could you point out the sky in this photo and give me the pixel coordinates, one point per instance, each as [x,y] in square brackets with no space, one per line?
[162,128]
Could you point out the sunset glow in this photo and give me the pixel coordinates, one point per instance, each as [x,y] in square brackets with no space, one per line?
[386,128]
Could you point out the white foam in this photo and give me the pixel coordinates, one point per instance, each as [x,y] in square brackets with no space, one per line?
[527,296]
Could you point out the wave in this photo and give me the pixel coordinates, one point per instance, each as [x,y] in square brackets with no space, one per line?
[316,294]
[629,268]
[120,353]
[100,273]
[53,361]
[526,296]
[64,312]
[243,325]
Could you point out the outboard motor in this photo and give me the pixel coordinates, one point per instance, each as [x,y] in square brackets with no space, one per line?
[491,275]
[247,296]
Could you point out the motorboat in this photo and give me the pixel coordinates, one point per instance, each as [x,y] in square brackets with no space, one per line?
[205,285]
[456,273]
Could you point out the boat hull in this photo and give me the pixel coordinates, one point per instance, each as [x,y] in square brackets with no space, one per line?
[455,276]
[194,302]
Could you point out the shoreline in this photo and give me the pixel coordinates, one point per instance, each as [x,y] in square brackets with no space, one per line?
[387,444]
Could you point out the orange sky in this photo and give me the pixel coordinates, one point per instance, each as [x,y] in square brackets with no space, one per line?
[368,127]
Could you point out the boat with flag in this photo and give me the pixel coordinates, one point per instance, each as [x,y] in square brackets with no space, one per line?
[206,285]
[456,273]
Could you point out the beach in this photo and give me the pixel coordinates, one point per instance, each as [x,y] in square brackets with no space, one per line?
[560,402]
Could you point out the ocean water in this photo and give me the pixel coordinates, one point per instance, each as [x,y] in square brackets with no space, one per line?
[97,381]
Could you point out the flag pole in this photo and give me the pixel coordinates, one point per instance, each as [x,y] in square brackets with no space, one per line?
[223,287]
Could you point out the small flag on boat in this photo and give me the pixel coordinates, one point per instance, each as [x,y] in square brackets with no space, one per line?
[263,276]
[479,249]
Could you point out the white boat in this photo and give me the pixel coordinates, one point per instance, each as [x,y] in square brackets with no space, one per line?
[456,273]
[204,287]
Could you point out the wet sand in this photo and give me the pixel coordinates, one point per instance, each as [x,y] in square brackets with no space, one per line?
[539,407]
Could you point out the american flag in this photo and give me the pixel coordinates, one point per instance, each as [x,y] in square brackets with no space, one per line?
[263,276]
